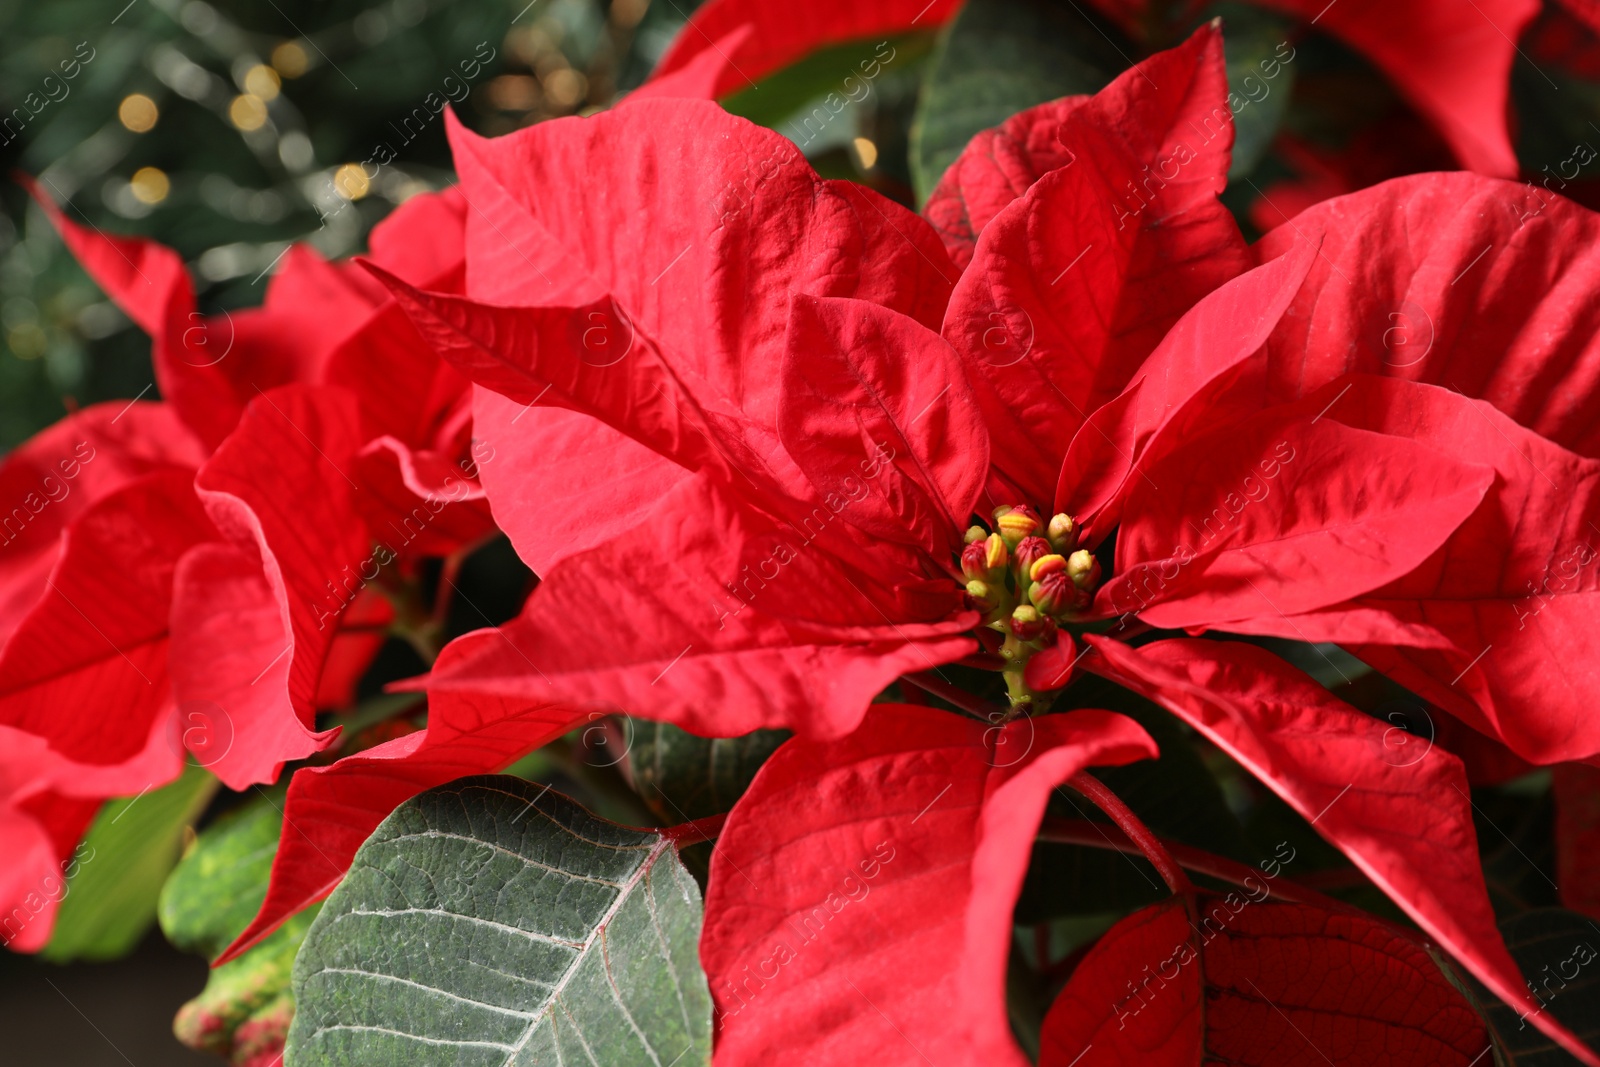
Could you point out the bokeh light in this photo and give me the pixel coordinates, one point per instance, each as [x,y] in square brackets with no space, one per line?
[138,112]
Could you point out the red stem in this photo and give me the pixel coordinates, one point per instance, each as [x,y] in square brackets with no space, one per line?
[962,699]
[1137,831]
[692,833]
[1083,832]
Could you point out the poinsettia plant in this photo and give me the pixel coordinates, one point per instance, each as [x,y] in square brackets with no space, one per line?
[983,609]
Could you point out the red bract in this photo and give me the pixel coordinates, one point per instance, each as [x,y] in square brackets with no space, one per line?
[1340,769]
[860,900]
[1209,979]
[180,571]
[698,408]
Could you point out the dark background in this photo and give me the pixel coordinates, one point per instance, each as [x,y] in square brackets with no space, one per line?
[346,70]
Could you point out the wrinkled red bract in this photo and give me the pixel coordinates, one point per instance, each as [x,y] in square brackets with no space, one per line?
[1072,285]
[1256,982]
[861,893]
[1340,770]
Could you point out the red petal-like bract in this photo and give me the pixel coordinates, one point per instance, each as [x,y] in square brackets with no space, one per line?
[998,166]
[1495,626]
[1451,61]
[1198,356]
[682,273]
[791,641]
[1484,288]
[1481,286]
[254,615]
[1283,513]
[149,283]
[534,492]
[1404,819]
[778,35]
[859,908]
[1258,983]
[1073,285]
[39,828]
[103,508]
[87,669]
[861,383]
[331,810]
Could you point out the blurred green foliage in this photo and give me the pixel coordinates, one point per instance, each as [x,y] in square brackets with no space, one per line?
[94,92]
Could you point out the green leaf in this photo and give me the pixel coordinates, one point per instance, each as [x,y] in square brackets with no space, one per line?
[492,921]
[1559,953]
[132,844]
[245,1009]
[1000,57]
[847,71]
[218,886]
[1259,81]
[683,777]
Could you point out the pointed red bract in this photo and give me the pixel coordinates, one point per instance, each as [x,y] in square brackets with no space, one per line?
[998,166]
[1451,61]
[1494,625]
[331,810]
[1198,358]
[721,619]
[96,640]
[534,491]
[254,615]
[100,507]
[1404,819]
[859,907]
[694,190]
[1257,982]
[568,358]
[874,399]
[1074,284]
[1282,514]
[1481,286]
[39,829]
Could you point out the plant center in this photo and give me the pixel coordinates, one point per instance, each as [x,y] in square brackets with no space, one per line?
[1030,579]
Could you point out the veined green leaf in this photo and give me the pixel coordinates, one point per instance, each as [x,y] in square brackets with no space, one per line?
[493,922]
